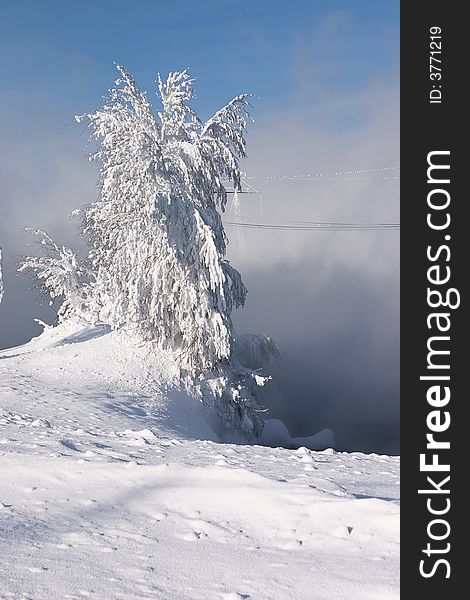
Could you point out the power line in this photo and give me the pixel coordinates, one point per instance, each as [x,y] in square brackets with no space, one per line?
[315,225]
[328,174]
[319,226]
[343,224]
[349,175]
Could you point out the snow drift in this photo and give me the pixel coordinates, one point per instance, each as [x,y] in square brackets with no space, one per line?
[114,487]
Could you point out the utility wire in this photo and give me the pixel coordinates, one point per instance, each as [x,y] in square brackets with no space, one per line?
[328,174]
[318,226]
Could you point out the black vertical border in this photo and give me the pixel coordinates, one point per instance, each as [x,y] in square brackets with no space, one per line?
[426,127]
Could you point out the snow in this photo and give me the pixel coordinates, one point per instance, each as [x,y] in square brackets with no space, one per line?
[115,487]
[323,439]
[276,434]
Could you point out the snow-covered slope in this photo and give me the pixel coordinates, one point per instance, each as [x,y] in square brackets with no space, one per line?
[113,486]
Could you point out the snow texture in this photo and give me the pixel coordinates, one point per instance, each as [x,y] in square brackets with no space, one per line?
[276,434]
[114,487]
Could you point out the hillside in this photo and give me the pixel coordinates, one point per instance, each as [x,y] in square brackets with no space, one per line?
[114,486]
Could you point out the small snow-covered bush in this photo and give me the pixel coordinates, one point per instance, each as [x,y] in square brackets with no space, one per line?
[255,351]
[60,276]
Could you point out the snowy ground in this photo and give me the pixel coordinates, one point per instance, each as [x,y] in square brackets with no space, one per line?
[113,486]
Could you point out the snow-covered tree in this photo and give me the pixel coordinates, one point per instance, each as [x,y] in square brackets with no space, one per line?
[156,240]
[60,275]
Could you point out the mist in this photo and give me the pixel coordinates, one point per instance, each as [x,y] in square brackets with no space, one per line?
[330,299]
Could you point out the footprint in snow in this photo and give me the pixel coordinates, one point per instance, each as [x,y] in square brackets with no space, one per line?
[194,514]
[291,544]
[69,444]
[88,502]
[234,596]
[191,536]
[41,423]
[342,531]
[160,516]
[37,569]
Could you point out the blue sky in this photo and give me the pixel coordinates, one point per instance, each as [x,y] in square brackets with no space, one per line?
[60,53]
